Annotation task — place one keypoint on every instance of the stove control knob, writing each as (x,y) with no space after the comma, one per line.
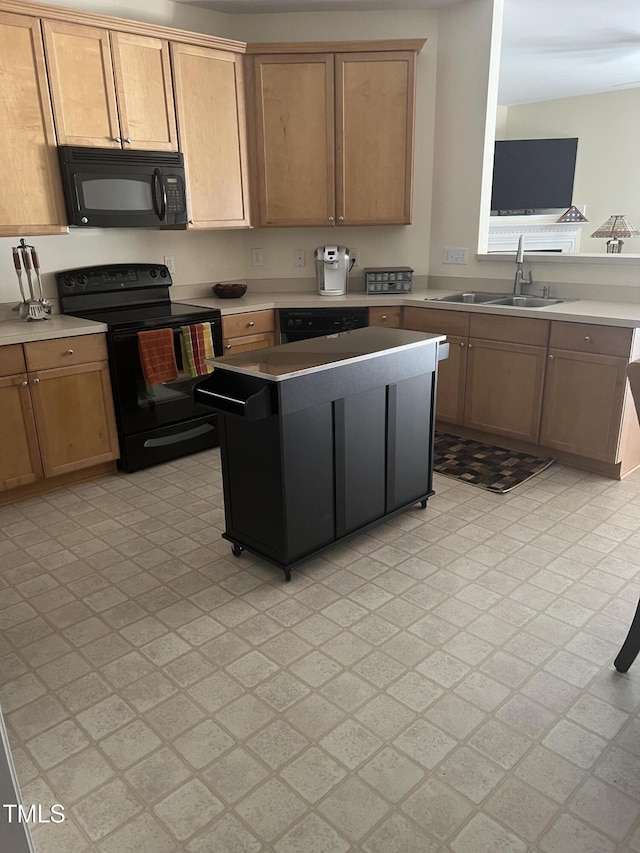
(68,281)
(153,272)
(82,280)
(164,272)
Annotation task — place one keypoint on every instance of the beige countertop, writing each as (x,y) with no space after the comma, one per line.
(626,314)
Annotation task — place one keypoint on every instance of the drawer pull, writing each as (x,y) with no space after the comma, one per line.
(69,352)
(36,381)
(587,338)
(251,323)
(384,317)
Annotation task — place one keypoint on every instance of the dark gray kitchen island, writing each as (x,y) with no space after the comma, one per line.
(323,438)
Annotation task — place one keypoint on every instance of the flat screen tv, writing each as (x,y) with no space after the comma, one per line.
(533,174)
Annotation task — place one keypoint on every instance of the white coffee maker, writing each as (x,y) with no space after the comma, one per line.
(332,270)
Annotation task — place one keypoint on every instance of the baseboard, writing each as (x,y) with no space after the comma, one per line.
(40,487)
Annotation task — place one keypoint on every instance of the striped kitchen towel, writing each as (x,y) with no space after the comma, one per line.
(157,356)
(196,344)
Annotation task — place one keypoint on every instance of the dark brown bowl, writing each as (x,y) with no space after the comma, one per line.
(229,291)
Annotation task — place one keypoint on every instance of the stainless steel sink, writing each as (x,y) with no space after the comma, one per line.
(527,301)
(470,297)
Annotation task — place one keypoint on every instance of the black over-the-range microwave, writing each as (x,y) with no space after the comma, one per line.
(109,188)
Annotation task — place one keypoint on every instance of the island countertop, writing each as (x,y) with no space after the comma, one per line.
(309,356)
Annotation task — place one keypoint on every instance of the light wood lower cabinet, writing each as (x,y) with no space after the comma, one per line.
(249,331)
(452,378)
(58,419)
(389,316)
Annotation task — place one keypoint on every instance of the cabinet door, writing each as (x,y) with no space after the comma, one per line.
(583,400)
(82,85)
(212,134)
(31,200)
(294,130)
(19,453)
(74,416)
(452,373)
(144,92)
(504,388)
(247,343)
(375,94)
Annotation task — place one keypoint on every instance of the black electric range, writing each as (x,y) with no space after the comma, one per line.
(156,423)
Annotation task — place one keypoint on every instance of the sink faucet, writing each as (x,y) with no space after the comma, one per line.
(520,280)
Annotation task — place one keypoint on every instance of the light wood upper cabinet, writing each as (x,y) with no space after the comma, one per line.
(31,200)
(110,90)
(209,91)
(333,137)
(374,137)
(294,127)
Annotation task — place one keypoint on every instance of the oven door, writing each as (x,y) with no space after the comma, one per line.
(141,407)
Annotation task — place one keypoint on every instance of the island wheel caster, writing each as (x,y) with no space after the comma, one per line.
(287,575)
(423,503)
(237,550)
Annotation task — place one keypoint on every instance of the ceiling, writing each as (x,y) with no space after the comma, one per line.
(550,48)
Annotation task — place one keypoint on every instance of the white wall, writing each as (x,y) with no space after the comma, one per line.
(607,174)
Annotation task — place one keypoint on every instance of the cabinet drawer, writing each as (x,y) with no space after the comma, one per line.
(246,343)
(436,320)
(250,323)
(385,317)
(583,337)
(514,330)
(64,352)
(11,360)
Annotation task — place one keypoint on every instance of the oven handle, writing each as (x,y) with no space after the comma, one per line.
(158,185)
(118,337)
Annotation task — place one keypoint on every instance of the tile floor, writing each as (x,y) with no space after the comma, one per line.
(443,683)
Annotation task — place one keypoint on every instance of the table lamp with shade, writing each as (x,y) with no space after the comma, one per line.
(614,229)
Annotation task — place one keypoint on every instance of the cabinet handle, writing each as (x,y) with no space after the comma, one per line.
(69,352)
(127,139)
(550,358)
(340,218)
(117,139)
(331,219)
(251,323)
(587,338)
(24,383)
(36,381)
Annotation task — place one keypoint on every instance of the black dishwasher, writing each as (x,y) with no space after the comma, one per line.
(298,324)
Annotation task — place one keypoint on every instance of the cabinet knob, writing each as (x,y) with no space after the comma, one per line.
(36,381)
(250,323)
(69,352)
(117,139)
(127,139)
(462,343)
(470,346)
(340,218)
(550,358)
(384,317)
(24,383)
(227,346)
(587,338)
(331,219)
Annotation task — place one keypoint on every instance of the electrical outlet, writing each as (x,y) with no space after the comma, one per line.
(455,255)
(354,254)
(299,258)
(170,263)
(257,258)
